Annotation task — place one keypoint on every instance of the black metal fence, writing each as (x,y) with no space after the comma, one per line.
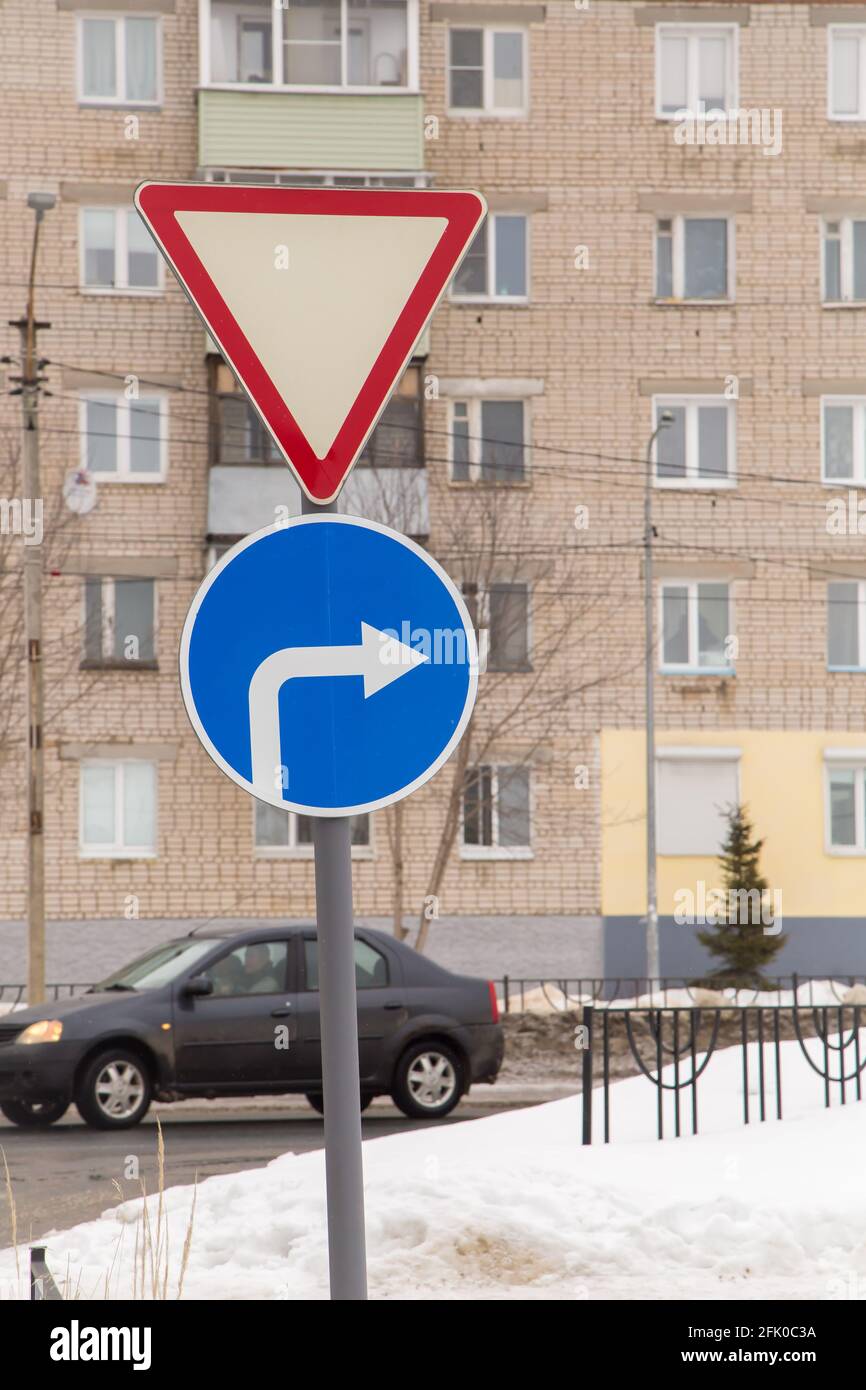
(673,1048)
(42,1285)
(574,991)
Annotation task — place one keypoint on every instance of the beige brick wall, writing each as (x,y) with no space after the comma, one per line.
(590,148)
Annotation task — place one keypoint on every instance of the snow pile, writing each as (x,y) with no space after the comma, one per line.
(513,1207)
(550,998)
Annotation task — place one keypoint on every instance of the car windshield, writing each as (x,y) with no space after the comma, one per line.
(159,966)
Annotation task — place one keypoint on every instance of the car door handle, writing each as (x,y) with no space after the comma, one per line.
(281,1013)
(394,1006)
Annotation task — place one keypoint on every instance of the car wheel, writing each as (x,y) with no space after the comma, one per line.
(428,1081)
(317,1100)
(115,1090)
(34,1114)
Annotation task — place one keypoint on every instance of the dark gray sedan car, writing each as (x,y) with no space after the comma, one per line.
(237,1014)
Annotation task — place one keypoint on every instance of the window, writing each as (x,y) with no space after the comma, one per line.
(313,43)
(846,625)
(118,59)
(496,812)
(487,71)
(696,69)
(845,800)
(495,266)
(696,626)
(843,440)
(844,261)
(846,75)
(124,440)
(488,441)
(397,441)
(692,258)
(371,965)
(117,252)
(242,436)
(118,809)
(257,968)
(119,622)
(503,610)
(285,833)
(694,789)
(698,448)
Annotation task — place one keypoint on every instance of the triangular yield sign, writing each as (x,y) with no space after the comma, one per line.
(315,297)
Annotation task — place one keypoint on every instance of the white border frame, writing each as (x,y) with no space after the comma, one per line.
(108,605)
(123,439)
(678,257)
(846,760)
(121,254)
(489,296)
(690,668)
(851,31)
(474,401)
(691,31)
(277,10)
(119,17)
(860,586)
(858,425)
(318,519)
(487,111)
(694,480)
(496,852)
(88,851)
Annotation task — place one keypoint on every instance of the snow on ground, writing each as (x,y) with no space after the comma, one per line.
(550,998)
(514,1207)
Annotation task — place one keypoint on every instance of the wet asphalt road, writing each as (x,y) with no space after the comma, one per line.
(68,1173)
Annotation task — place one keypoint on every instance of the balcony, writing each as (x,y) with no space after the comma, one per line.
(367,131)
(243,499)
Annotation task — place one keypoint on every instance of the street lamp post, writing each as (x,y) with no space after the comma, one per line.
(652,918)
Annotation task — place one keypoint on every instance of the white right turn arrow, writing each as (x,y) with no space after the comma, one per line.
(378,658)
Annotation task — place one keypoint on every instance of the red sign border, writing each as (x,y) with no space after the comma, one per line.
(320,478)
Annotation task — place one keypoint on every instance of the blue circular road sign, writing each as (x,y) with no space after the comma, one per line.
(328,665)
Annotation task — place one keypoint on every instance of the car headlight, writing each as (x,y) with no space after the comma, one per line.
(47,1030)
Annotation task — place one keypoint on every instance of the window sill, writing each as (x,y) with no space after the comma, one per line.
(671,303)
(479,113)
(476,483)
(843,304)
(120,292)
(849,484)
(481,853)
(138,478)
(110,104)
(694,485)
(508,670)
(305,852)
(845,852)
(118,665)
(489,301)
(847,670)
(118,856)
(714,671)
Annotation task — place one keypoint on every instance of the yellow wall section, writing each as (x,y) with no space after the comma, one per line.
(781,781)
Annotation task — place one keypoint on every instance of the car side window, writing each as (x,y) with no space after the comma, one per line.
(259,967)
(371,966)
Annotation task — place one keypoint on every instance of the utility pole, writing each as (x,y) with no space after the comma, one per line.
(32,572)
(652,916)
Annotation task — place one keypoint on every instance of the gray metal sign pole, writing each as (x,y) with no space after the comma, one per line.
(338,1008)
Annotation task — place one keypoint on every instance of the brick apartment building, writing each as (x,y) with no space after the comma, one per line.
(625,269)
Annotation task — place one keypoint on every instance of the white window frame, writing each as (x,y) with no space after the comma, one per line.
(482,625)
(294,850)
(850,31)
(497,851)
(119,18)
(678,257)
(846,760)
(691,754)
(861,624)
(858,432)
(474,403)
(691,667)
(846,263)
(489,296)
(692,33)
(124,442)
(118,850)
(487,110)
(108,606)
(121,257)
(277,10)
(692,478)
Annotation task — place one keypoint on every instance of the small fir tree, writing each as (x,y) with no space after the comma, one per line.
(738,940)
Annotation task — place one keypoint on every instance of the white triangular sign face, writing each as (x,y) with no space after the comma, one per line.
(316,297)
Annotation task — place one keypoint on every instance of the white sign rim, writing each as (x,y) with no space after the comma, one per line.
(314,519)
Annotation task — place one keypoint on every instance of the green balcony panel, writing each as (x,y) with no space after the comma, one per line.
(310,130)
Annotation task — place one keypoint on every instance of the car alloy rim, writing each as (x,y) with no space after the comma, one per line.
(119,1090)
(432,1079)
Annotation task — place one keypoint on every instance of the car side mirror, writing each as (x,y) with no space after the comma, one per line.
(198,987)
